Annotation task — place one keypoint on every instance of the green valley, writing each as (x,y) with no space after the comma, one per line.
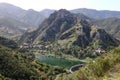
(79,44)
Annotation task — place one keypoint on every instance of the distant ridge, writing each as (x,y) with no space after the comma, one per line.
(14,21)
(97,14)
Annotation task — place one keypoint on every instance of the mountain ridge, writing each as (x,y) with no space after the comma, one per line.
(63,25)
(19,18)
(97,14)
(28,20)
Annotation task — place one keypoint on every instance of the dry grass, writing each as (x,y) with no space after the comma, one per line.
(113,73)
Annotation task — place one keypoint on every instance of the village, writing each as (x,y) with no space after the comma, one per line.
(45,49)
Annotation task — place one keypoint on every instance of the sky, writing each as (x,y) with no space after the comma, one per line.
(39,5)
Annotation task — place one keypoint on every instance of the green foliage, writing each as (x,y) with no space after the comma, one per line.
(4,78)
(15,65)
(101,65)
(79,52)
(96,69)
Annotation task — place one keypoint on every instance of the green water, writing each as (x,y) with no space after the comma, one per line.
(58,61)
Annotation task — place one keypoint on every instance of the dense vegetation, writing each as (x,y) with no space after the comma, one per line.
(15,65)
(97,69)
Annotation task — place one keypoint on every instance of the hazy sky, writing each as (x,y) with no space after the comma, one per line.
(66,4)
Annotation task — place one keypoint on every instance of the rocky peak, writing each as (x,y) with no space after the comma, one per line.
(61,14)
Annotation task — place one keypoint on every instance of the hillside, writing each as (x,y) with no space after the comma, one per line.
(63,25)
(8,43)
(43,27)
(11,28)
(24,67)
(105,67)
(111,25)
(70,31)
(14,20)
(9,10)
(31,17)
(18,66)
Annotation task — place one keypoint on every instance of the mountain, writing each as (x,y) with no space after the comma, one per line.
(9,10)
(97,14)
(8,43)
(59,21)
(22,19)
(12,28)
(47,12)
(111,25)
(30,17)
(108,20)
(14,20)
(69,29)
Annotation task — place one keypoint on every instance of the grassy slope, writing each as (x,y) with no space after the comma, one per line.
(104,67)
(113,73)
